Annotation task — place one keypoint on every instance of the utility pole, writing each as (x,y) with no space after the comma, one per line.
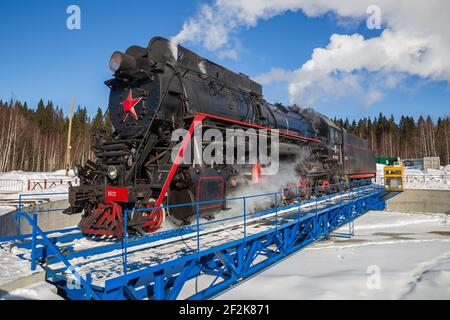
(69,134)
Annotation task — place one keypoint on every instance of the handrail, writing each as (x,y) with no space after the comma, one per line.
(45,184)
(55,250)
(356,187)
(11,185)
(231,199)
(420,176)
(359,187)
(20,206)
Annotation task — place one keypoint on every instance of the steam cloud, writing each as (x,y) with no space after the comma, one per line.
(287,176)
(415,42)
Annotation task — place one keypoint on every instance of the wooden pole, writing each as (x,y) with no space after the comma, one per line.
(69,134)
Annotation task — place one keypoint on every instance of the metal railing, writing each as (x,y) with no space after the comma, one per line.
(443,178)
(11,186)
(275,216)
(45,184)
(16,186)
(247,216)
(33,208)
(53,248)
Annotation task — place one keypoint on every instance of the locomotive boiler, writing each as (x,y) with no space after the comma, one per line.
(164,88)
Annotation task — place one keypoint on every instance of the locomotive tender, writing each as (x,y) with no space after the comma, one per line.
(162,88)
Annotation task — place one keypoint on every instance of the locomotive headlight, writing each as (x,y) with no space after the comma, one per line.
(112,172)
(122,62)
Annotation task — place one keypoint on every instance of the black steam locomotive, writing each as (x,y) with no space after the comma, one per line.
(162,88)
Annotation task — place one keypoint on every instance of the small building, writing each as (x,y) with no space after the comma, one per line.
(431,163)
(387,160)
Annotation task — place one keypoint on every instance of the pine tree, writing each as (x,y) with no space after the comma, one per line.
(98,122)
(108,124)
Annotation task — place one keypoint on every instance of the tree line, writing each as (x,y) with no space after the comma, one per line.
(35,139)
(407,138)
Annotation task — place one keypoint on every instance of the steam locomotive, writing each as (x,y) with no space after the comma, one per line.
(164,87)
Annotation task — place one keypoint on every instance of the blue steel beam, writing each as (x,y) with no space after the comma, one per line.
(233,262)
(229,263)
(87,292)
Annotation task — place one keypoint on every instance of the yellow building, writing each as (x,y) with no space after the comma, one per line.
(394,178)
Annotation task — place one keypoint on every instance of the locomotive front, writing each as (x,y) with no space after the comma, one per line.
(153,94)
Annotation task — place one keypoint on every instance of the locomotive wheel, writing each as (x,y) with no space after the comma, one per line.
(154,218)
(106,219)
(303,186)
(306,187)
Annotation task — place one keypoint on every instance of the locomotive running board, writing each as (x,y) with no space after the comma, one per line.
(198,120)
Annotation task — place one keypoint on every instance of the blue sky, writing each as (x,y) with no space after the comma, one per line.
(41,58)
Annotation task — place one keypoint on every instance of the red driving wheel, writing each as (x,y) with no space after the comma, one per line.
(106,219)
(303,186)
(155,218)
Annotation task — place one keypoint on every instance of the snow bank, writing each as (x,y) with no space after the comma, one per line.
(444,185)
(12,267)
(417,178)
(380,170)
(392,256)
(39,176)
(430,179)
(25,176)
(411,171)
(38,291)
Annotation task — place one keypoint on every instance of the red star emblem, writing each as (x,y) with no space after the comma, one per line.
(129,104)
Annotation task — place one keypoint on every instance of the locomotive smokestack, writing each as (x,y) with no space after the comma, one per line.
(122,62)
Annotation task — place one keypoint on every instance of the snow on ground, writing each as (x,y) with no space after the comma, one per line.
(12,267)
(35,176)
(25,176)
(37,291)
(6,209)
(429,185)
(392,256)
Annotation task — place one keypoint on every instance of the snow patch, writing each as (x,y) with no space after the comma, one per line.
(9,206)
(37,291)
(430,179)
(12,267)
(410,251)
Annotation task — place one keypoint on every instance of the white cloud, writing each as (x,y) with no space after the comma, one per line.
(213,24)
(383,59)
(416,42)
(274,75)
